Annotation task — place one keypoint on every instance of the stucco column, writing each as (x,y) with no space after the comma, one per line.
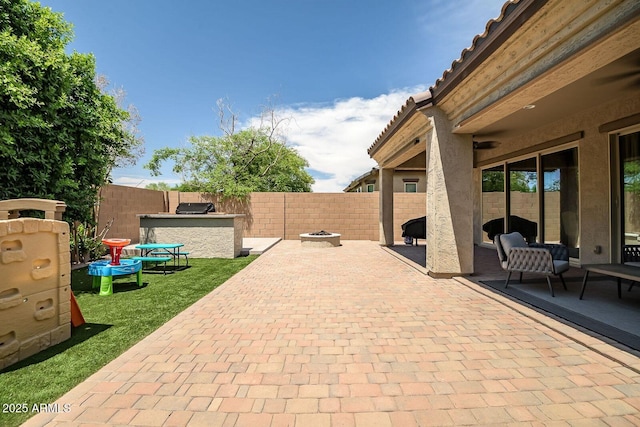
(450,199)
(386,206)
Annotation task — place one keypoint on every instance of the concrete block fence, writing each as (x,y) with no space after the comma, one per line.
(123,204)
(284,215)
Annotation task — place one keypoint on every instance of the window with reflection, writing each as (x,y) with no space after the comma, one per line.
(523,199)
(493,203)
(545,208)
(630,182)
(560,200)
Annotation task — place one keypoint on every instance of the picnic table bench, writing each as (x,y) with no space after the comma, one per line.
(162,252)
(619,271)
(178,255)
(156,259)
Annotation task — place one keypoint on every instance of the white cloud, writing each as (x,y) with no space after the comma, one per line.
(334,138)
(142,182)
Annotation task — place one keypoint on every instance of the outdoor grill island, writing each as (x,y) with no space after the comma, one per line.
(204,232)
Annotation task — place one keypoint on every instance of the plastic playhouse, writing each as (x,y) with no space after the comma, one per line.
(35,290)
(103,271)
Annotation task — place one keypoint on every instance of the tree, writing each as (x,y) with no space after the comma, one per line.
(492,181)
(520,181)
(523,182)
(237,163)
(158,186)
(131,147)
(60,135)
(632,176)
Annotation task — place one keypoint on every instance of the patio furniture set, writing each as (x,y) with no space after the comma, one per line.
(516,255)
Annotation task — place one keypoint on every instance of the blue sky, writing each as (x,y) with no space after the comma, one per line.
(339,69)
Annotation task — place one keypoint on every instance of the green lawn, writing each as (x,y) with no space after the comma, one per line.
(114,323)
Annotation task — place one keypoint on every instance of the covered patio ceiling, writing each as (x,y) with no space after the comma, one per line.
(530,69)
(615,80)
(565,58)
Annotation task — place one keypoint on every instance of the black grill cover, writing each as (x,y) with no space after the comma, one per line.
(195,208)
(528,229)
(416,228)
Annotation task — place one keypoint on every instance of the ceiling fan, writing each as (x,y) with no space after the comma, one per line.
(631,72)
(485,145)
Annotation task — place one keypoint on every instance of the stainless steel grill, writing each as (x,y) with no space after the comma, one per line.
(194,208)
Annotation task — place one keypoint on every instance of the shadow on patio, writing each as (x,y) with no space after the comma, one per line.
(600,313)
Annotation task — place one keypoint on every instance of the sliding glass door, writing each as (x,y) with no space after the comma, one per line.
(540,199)
(493,207)
(560,199)
(630,186)
(523,204)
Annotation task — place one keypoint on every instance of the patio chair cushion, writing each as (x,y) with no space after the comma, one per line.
(512,240)
(504,243)
(558,251)
(560,266)
(501,255)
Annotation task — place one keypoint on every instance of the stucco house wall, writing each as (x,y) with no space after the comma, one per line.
(545,76)
(399,179)
(595,179)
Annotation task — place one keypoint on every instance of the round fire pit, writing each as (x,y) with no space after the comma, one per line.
(320,239)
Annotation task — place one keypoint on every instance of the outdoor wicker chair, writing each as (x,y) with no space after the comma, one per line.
(516,255)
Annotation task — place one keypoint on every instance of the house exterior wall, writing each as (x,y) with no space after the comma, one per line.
(545,76)
(284,215)
(450,195)
(399,177)
(594,176)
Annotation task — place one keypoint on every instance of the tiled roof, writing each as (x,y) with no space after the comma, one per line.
(414,102)
(450,76)
(478,40)
(360,178)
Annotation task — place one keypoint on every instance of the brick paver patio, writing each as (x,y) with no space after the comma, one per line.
(352,336)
